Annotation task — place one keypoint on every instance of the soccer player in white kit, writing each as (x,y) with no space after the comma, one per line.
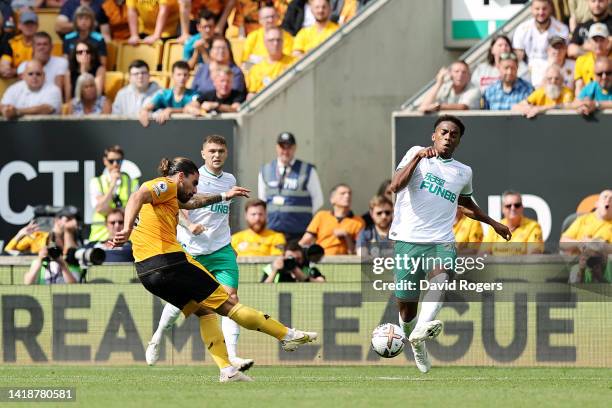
(205,235)
(429,185)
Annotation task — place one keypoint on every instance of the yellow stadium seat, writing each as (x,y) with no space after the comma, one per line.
(5,83)
(161,78)
(237,48)
(57,49)
(151,54)
(111,55)
(46,22)
(113,82)
(173,51)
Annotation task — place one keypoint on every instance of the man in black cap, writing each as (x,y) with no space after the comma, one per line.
(290,188)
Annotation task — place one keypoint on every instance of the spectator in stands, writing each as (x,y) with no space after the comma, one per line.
(585,64)
(551,95)
(510,89)
(220,54)
(487,72)
(110,190)
(31,96)
(383,190)
(116,13)
(590,236)
(600,14)
(526,233)
(452,90)
(5,49)
(557,54)
(20,45)
(381,211)
(177,99)
(55,67)
(154,19)
(86,99)
(579,13)
(310,37)
(468,233)
(530,39)
(291,267)
(597,94)
(275,63)
(65,20)
(223,98)
(190,10)
(84,24)
(131,98)
(290,188)
(298,15)
(197,47)
(114,224)
(336,230)
(257,240)
(83,58)
(255,47)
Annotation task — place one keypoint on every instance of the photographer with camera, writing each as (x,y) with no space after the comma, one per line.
(49,226)
(49,268)
(109,190)
(114,224)
(295,265)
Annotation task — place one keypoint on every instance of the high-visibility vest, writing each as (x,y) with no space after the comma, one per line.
(98,221)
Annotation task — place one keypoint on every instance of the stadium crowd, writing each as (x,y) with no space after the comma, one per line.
(543,66)
(188,44)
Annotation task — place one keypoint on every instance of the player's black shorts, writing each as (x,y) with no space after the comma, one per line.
(180,280)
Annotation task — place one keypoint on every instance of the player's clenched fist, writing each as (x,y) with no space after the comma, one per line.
(427,153)
(237,191)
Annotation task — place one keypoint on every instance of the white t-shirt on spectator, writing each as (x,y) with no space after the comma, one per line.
(538,69)
(469,97)
(54,67)
(20,96)
(528,38)
(309,18)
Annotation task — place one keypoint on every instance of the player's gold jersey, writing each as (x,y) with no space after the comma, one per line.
(155,232)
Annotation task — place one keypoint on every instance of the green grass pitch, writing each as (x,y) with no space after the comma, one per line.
(310,386)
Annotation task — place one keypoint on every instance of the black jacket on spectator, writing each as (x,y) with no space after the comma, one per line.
(211,96)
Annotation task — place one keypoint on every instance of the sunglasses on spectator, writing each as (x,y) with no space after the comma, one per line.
(378,213)
(113,161)
(508,56)
(35,73)
(515,205)
(81,52)
(602,73)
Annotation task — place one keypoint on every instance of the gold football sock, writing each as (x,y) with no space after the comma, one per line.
(255,320)
(212,336)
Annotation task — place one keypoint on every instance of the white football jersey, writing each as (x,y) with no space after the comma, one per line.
(215,218)
(425,209)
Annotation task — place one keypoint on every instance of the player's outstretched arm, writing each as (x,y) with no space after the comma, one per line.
(472,210)
(202,200)
(134,204)
(402,176)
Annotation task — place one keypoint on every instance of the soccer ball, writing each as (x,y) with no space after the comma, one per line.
(388,340)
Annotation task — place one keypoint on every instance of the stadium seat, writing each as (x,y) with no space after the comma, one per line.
(237,48)
(111,55)
(587,204)
(57,49)
(5,83)
(151,54)
(568,221)
(161,78)
(173,51)
(46,22)
(113,82)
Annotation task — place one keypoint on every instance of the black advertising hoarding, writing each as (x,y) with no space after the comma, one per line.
(555,160)
(52,161)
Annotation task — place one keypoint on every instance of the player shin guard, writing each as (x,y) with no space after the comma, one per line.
(169,316)
(255,320)
(231,331)
(213,340)
(407,326)
(432,301)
